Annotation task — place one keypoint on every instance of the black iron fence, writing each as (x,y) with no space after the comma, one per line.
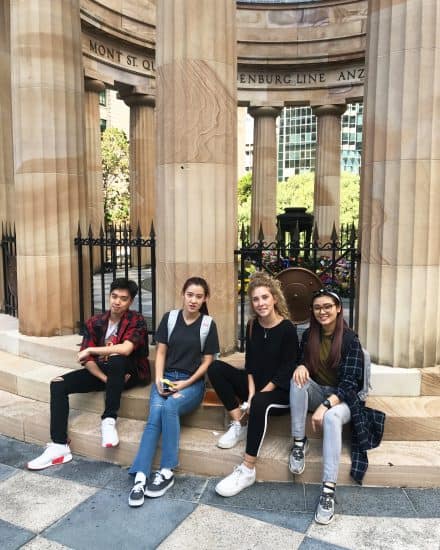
(9,261)
(116,252)
(335,263)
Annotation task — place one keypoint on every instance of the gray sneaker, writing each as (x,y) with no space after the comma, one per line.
(297,461)
(325,511)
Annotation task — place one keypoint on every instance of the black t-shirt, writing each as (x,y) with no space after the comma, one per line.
(184,351)
(271,354)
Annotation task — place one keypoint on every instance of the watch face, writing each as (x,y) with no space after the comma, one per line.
(327,403)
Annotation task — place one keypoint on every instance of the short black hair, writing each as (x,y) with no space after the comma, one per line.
(125,284)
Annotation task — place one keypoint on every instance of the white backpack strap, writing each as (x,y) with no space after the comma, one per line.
(204,330)
(172,318)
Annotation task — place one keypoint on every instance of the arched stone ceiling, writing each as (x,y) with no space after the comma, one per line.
(288,53)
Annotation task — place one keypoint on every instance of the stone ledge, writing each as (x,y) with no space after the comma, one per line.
(415,418)
(394,463)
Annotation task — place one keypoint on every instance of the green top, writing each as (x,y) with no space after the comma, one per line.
(325,376)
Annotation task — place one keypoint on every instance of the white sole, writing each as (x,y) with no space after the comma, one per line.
(324,522)
(55,462)
(156,494)
(232,494)
(135,503)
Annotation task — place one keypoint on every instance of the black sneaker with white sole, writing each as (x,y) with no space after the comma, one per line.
(158,485)
(136,496)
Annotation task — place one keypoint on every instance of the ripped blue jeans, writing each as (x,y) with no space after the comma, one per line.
(164,419)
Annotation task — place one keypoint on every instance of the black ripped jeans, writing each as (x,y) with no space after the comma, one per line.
(82,381)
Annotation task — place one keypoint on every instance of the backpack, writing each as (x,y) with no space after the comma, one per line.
(366,363)
(204,326)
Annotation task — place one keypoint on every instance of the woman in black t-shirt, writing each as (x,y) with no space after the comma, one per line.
(271,350)
(186,344)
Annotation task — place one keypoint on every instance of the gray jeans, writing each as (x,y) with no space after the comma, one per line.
(308,398)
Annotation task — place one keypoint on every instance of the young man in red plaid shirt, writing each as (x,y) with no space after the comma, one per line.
(114,356)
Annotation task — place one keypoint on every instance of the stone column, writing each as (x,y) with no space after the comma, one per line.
(95,196)
(197,174)
(399,305)
(7,202)
(142,165)
(264,173)
(48,126)
(328,169)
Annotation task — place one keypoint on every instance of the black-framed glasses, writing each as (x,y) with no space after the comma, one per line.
(325,307)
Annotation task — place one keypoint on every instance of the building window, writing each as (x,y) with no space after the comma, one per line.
(103,98)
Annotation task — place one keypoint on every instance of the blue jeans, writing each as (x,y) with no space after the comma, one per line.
(164,419)
(308,398)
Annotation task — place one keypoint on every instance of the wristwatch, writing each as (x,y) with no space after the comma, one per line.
(327,404)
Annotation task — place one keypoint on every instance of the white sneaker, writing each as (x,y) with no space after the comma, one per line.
(235,483)
(54,454)
(235,433)
(109,434)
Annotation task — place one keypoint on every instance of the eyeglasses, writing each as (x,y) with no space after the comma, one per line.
(324,307)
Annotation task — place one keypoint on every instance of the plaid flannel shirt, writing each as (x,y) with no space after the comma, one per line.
(367,424)
(132,327)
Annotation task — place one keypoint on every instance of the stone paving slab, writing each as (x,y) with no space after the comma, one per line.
(107,520)
(13,537)
(209,528)
(380,533)
(34,502)
(83,504)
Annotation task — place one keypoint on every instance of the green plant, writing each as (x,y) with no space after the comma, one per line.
(115,176)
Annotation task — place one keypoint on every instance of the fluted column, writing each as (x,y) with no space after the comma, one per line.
(142,164)
(264,172)
(48,126)
(95,196)
(328,169)
(399,320)
(196,120)
(7,202)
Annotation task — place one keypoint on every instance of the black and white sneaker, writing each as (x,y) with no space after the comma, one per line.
(136,496)
(158,485)
(325,510)
(297,461)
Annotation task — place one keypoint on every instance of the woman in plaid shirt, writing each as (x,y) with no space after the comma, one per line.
(326,382)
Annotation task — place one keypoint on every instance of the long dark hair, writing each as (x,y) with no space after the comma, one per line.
(311,353)
(199,282)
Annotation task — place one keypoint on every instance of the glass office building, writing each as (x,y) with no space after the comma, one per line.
(297,140)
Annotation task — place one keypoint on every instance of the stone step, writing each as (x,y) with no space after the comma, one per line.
(31,379)
(430,381)
(61,351)
(408,418)
(394,463)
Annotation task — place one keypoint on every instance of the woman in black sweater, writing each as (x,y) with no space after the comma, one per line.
(263,386)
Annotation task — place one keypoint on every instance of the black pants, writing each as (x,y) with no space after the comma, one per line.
(231,386)
(82,381)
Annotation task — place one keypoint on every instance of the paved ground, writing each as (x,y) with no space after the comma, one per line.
(83,505)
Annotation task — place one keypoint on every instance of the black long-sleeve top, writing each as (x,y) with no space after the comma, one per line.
(271,354)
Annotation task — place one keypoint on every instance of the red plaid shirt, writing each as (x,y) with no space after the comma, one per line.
(132,327)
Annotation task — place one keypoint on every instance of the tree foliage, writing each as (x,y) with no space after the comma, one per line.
(298,191)
(115,175)
(244,200)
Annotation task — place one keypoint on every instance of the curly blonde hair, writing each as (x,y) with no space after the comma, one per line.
(262,279)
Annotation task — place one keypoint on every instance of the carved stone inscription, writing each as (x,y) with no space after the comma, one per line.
(113,54)
(324,78)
